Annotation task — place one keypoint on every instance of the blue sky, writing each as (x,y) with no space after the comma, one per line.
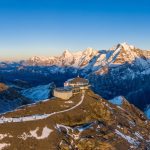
(47,27)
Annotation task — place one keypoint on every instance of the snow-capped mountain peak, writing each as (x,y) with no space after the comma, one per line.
(123,53)
(123,45)
(67,53)
(126,46)
(92,59)
(89,52)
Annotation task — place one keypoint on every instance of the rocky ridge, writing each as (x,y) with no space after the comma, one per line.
(102,125)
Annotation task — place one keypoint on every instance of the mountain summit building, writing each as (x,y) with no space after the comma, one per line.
(71,87)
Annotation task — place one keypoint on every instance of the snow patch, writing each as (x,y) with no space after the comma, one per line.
(84,127)
(127,138)
(127,46)
(117,100)
(69,131)
(33,133)
(69,102)
(37,93)
(2,136)
(3,145)
(139,135)
(147,112)
(45,133)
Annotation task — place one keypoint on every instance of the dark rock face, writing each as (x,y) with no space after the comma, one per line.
(127,80)
(10,99)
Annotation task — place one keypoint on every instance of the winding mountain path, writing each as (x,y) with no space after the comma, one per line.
(38,117)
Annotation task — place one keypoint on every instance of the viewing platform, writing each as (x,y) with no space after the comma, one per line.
(71,87)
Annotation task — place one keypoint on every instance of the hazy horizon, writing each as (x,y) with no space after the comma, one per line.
(19,57)
(47,28)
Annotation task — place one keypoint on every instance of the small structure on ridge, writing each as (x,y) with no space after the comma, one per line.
(71,87)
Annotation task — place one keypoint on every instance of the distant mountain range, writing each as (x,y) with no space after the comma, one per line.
(95,59)
(89,59)
(122,70)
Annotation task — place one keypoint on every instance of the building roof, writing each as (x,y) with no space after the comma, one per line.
(63,89)
(78,80)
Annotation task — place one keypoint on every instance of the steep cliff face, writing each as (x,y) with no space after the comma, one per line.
(130,79)
(84,122)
